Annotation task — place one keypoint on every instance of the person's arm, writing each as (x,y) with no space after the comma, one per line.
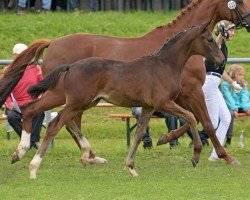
(218,40)
(9,103)
(245,100)
(233,83)
(39,73)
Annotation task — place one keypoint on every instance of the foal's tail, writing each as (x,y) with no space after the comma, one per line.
(16,70)
(49,82)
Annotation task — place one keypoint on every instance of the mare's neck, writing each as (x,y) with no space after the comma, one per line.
(194,15)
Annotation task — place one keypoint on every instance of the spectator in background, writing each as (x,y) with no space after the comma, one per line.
(46,5)
(216,105)
(19,97)
(237,100)
(93,5)
(73,5)
(147,141)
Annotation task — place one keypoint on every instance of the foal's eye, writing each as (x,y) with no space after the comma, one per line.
(210,40)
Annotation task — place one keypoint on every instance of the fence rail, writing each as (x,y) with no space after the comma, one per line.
(230,60)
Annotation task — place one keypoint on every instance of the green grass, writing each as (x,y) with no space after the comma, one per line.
(163,174)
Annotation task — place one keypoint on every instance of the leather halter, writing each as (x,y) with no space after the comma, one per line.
(241,23)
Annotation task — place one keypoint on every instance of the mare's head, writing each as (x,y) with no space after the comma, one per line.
(236,11)
(205,45)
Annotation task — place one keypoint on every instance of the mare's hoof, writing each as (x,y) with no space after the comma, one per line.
(235,162)
(162,140)
(194,162)
(15,158)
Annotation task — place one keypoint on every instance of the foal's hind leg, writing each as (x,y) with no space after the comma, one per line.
(172,108)
(29,111)
(53,128)
(74,127)
(141,128)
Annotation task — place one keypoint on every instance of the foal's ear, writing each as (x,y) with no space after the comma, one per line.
(206,25)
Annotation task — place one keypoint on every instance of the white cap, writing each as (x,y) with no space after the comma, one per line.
(19,48)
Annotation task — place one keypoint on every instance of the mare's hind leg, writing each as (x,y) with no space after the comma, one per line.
(66,114)
(141,128)
(74,127)
(48,101)
(174,134)
(196,101)
(172,108)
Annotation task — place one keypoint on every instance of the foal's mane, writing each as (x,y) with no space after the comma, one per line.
(188,8)
(172,41)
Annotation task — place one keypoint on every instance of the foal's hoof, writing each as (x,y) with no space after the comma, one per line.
(15,158)
(162,140)
(133,172)
(97,160)
(194,162)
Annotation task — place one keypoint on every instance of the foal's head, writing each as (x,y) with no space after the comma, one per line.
(205,45)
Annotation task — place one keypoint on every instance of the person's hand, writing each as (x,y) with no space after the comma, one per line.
(222,30)
(236,86)
(236,114)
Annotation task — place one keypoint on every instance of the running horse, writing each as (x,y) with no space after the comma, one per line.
(141,82)
(71,48)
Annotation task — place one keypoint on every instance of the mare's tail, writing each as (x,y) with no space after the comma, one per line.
(49,82)
(15,71)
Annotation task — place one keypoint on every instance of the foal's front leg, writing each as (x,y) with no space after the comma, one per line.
(171,107)
(141,128)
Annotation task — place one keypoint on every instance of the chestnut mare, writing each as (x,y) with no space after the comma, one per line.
(79,46)
(151,82)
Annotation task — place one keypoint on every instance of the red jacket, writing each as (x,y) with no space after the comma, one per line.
(31,76)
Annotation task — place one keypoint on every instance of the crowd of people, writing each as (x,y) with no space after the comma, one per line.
(92,5)
(226,95)
(47,5)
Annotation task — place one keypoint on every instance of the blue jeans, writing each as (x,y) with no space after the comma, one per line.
(15,121)
(93,5)
(46,4)
(230,129)
(74,4)
(136,111)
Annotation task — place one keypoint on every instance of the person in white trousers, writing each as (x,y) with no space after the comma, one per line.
(216,106)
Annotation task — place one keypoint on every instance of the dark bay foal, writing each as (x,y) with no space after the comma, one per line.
(152,82)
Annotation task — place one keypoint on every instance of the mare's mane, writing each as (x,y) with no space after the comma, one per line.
(188,8)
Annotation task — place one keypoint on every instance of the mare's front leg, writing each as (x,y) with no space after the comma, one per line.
(196,101)
(141,128)
(172,108)
(66,114)
(74,128)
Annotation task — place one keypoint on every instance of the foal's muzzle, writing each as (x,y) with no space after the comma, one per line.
(218,65)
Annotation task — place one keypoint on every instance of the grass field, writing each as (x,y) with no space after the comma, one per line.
(164,174)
